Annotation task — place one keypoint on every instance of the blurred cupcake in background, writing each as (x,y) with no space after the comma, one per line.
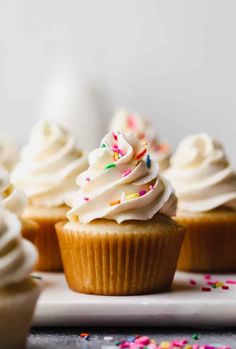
(205,184)
(15,200)
(120,239)
(47,171)
(9,154)
(18,291)
(133,123)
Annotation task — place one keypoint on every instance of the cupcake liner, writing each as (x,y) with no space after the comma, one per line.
(209,244)
(16,313)
(46,242)
(119,263)
(29,229)
(45,239)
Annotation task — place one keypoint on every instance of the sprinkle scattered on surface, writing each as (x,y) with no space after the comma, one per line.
(145,342)
(86,198)
(103,145)
(142,192)
(206,289)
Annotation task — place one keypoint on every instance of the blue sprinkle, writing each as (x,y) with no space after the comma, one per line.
(148,161)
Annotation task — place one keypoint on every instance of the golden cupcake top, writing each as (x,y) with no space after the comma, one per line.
(17,256)
(12,198)
(122,183)
(202,175)
(142,128)
(49,164)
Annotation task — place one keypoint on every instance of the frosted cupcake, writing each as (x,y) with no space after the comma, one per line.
(18,291)
(120,239)
(130,122)
(9,154)
(47,171)
(14,199)
(205,184)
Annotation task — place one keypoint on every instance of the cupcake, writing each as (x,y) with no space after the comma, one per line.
(18,291)
(46,172)
(120,239)
(131,122)
(205,185)
(14,199)
(8,153)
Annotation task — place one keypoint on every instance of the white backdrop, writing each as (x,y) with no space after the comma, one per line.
(175,61)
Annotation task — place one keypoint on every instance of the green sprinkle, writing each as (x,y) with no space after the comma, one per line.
(36,277)
(195,336)
(109,166)
(213,286)
(103,145)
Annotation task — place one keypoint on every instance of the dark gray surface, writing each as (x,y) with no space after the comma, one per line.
(65,338)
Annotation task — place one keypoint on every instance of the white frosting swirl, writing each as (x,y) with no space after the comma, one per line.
(8,153)
(121,183)
(12,198)
(131,122)
(17,256)
(202,175)
(49,165)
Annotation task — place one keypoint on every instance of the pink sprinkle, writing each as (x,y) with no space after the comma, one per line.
(88,179)
(180,343)
(114,147)
(207,277)
(136,346)
(143,340)
(210,283)
(206,289)
(193,282)
(151,187)
(115,136)
(121,152)
(231,281)
(86,198)
(126,172)
(124,345)
(142,192)
(195,346)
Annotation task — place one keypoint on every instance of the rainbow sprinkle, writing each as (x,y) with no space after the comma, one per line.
(126,172)
(86,198)
(148,161)
(113,203)
(132,196)
(112,165)
(115,136)
(142,192)
(103,145)
(140,154)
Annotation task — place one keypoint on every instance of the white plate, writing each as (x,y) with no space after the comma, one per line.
(185,305)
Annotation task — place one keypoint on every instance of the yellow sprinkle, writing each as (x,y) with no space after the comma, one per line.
(116,156)
(75,218)
(219,284)
(165,345)
(188,346)
(132,196)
